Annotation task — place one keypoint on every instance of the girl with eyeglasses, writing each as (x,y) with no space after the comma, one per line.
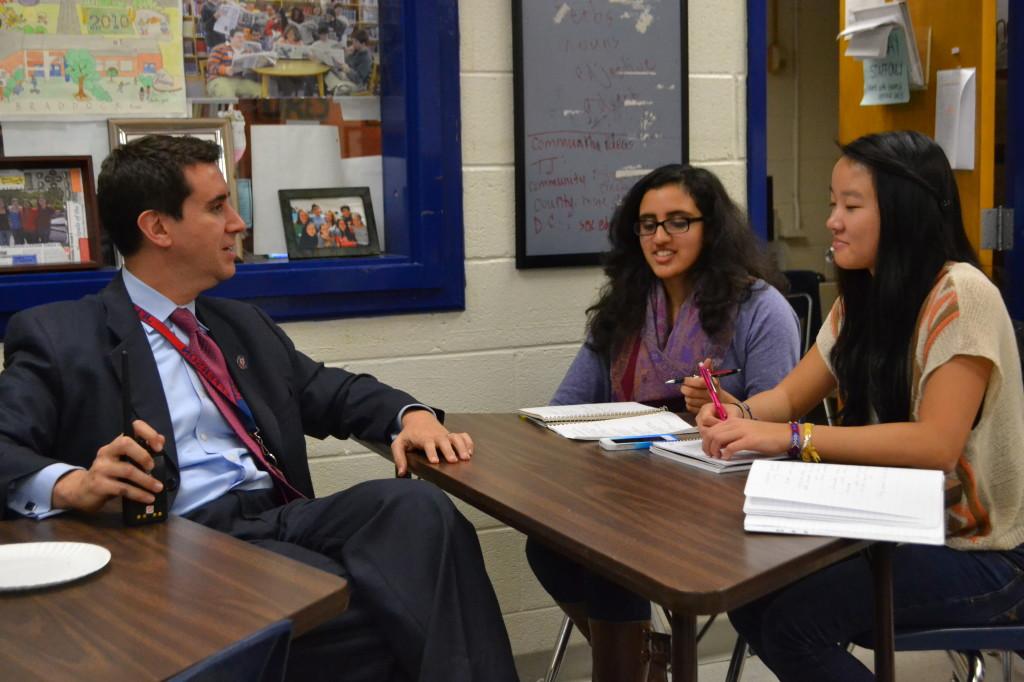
(687,282)
(922,352)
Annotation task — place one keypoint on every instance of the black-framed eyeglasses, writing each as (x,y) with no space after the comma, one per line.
(673,225)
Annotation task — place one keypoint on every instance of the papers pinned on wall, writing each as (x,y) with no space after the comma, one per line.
(886,80)
(869,37)
(955,91)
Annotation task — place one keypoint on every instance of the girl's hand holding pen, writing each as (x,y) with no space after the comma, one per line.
(723,439)
(695,392)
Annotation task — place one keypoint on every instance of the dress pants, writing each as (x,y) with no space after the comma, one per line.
(570,583)
(422,608)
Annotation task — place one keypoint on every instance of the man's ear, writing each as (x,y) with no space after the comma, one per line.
(153,226)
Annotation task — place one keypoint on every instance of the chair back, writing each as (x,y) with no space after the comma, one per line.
(260,657)
(805,298)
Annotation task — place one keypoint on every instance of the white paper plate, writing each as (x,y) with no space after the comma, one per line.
(40,564)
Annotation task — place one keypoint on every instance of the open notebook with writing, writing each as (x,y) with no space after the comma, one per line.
(847,501)
(606,420)
(691,453)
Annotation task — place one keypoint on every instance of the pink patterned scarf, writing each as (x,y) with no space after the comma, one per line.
(658,353)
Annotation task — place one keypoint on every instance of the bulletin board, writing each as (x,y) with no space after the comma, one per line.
(600,99)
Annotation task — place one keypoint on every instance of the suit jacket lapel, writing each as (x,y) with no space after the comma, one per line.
(131,347)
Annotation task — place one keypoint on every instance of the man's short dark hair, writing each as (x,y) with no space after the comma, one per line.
(147,174)
(361,35)
(345,208)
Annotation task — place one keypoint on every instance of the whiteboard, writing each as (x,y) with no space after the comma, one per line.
(600,99)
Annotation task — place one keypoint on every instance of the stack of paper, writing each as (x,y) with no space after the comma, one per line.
(691,453)
(841,500)
(606,420)
(868,36)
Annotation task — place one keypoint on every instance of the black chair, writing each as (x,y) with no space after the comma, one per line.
(805,297)
(260,657)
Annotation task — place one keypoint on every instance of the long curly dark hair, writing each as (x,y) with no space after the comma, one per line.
(921,228)
(730,259)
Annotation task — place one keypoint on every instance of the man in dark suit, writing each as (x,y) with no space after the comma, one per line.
(422,607)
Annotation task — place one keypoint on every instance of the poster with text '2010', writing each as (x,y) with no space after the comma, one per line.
(601,99)
(91,59)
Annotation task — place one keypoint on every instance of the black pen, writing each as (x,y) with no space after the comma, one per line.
(717,373)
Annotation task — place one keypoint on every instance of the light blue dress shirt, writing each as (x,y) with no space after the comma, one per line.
(211,459)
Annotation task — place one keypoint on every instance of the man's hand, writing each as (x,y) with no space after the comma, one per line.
(110,476)
(422,431)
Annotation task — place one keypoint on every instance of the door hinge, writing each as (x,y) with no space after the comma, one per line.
(997,228)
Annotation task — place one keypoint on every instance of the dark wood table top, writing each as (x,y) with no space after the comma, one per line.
(172,595)
(664,530)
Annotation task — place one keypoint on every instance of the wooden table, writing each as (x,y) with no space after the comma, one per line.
(671,533)
(172,595)
(292,68)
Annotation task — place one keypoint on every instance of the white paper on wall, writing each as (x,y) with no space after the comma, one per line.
(53,138)
(955,114)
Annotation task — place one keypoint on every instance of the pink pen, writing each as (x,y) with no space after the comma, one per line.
(709,382)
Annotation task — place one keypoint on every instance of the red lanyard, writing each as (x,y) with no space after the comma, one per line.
(200,365)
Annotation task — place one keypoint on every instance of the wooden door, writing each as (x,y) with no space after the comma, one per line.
(963,35)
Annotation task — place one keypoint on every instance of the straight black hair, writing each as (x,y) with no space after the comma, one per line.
(921,228)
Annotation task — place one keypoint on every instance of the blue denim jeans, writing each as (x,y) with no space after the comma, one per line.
(801,631)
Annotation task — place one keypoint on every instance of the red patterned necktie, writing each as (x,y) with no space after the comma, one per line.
(208,352)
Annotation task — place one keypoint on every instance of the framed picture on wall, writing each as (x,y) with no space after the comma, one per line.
(216,130)
(328,223)
(48,217)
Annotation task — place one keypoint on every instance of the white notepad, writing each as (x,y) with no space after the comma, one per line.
(842,500)
(606,420)
(691,453)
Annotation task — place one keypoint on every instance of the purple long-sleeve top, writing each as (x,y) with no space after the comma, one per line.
(765,345)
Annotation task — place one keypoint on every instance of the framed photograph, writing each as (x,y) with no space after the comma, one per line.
(48,216)
(328,223)
(217,130)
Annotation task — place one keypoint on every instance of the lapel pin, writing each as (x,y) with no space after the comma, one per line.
(242,362)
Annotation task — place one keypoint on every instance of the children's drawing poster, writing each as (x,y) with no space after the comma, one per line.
(90,59)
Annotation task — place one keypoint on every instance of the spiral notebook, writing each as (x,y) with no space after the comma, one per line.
(594,421)
(691,453)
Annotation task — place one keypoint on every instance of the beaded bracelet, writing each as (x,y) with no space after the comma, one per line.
(808,453)
(794,441)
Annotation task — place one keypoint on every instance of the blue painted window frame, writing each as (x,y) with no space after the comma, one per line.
(424,267)
(757,117)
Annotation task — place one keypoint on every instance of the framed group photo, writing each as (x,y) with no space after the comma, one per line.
(328,223)
(48,214)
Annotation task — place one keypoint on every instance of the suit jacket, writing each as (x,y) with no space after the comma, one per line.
(60,391)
